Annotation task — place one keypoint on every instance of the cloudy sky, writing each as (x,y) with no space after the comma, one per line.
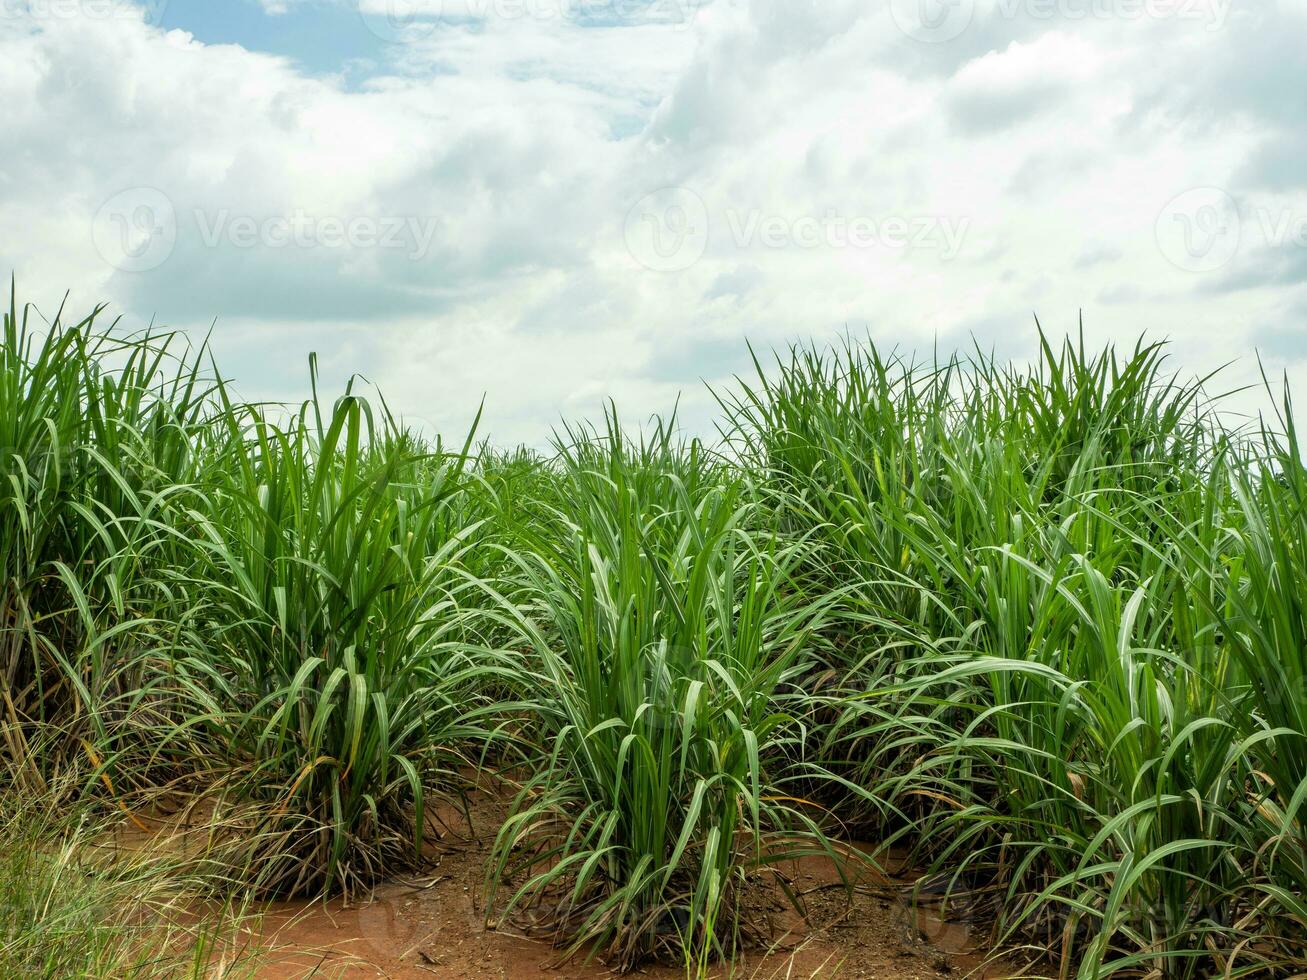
(550,202)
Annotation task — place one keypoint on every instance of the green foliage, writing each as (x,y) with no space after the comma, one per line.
(664,622)
(85,449)
(66,910)
(316,638)
(1067,689)
(1044,626)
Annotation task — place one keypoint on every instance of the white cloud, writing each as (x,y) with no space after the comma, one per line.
(831,165)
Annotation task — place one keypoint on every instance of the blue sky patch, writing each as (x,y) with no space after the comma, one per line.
(322,38)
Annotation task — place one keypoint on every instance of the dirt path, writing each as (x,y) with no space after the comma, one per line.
(435,927)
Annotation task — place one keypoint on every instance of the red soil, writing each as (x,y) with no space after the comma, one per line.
(435,927)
